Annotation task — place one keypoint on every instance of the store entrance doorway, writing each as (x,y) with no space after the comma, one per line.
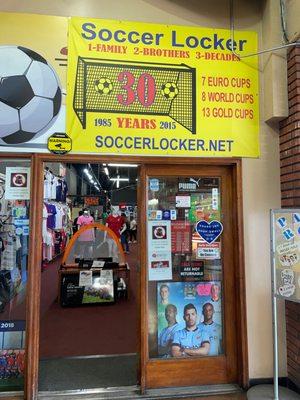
(89,280)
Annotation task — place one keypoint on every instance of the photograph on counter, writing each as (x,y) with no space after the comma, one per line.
(189,319)
(101,290)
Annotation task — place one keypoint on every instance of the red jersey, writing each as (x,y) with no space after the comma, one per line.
(115,223)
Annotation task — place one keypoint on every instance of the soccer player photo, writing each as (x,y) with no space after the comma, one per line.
(189,320)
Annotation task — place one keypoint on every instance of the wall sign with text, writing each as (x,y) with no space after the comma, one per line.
(149,89)
(286,239)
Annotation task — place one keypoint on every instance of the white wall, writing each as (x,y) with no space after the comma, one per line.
(261,190)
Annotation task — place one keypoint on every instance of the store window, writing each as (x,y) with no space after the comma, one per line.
(14,243)
(184,230)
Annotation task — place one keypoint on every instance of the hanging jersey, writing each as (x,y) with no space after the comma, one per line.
(59,217)
(47,185)
(51,209)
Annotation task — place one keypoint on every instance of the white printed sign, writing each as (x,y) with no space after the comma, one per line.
(85,278)
(215,199)
(17,183)
(206,251)
(183,201)
(98,264)
(159,250)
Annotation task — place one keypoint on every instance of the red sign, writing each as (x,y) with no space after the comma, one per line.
(91,201)
(181,237)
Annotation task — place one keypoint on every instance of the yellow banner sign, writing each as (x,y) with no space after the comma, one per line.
(148,89)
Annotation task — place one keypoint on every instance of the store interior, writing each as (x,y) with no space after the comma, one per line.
(88,311)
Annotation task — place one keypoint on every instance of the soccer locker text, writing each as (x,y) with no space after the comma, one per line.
(90,32)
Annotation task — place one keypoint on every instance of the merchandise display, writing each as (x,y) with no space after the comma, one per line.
(14,234)
(56,216)
(14,249)
(55,187)
(85,286)
(88,275)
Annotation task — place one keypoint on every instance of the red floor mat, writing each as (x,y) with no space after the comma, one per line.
(92,330)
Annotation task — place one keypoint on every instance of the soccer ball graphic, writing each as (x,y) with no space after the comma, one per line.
(169,90)
(30,95)
(103,86)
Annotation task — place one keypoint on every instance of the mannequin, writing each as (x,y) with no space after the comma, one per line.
(116,223)
(87,238)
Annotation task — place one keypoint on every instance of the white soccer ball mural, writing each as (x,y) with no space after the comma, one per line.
(30,95)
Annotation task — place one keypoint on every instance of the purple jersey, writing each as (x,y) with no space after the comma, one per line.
(51,209)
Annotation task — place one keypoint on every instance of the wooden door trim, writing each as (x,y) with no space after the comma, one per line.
(34,282)
(143,278)
(243,365)
(142,160)
(239,274)
(34,273)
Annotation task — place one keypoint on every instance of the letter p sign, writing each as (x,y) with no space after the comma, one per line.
(281,222)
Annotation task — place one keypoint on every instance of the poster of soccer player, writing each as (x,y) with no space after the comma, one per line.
(189,319)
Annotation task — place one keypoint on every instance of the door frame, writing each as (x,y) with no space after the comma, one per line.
(35,255)
(224,368)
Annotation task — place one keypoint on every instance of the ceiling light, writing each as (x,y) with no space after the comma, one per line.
(123,165)
(119,179)
(106,171)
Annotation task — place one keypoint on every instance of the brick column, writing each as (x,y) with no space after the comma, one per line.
(290,197)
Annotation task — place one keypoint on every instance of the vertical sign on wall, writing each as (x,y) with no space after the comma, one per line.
(286,257)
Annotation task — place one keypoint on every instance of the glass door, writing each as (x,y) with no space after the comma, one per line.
(190,307)
(14,252)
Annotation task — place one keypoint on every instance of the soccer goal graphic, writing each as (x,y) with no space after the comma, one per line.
(156,89)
